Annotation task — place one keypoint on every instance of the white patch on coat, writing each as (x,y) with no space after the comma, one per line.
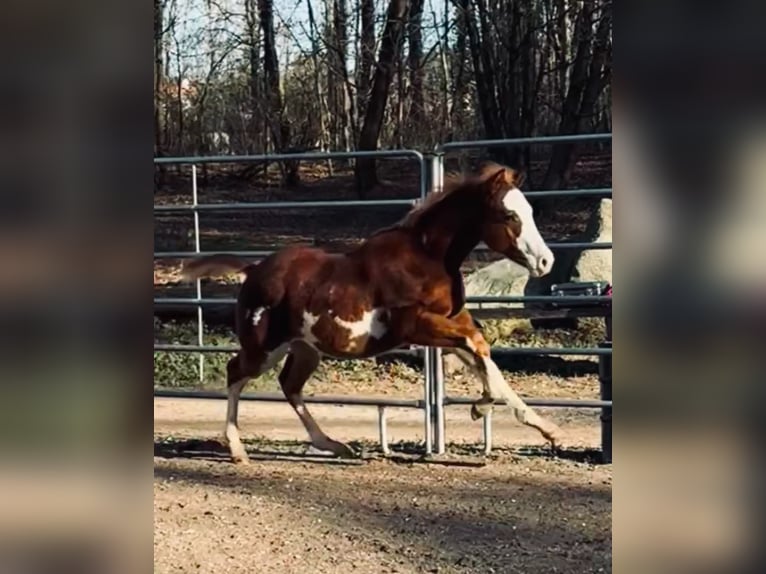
(371,324)
(530,242)
(309,320)
(257,314)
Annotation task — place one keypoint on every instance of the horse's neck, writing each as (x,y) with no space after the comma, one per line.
(450,236)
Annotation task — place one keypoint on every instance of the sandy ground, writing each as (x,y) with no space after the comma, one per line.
(289,511)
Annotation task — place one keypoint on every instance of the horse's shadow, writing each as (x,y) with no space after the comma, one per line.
(406,452)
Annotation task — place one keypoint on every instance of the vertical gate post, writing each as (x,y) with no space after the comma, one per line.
(605,384)
(200,323)
(436,182)
(426,175)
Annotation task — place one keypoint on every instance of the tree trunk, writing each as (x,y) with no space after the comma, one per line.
(324,140)
(599,73)
(367,55)
(366,177)
(446,117)
(278,122)
(158,83)
(253,50)
(458,67)
(482,67)
(562,155)
(414,62)
(589,75)
(346,91)
(401,97)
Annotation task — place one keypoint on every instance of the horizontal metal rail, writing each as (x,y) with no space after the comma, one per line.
(494,313)
(345,203)
(483,299)
(212,207)
(594,192)
(189,254)
(265,253)
(585,351)
(194,302)
(544,140)
(170,348)
(255,205)
(538,402)
(318,156)
(496,351)
(564,245)
(374,401)
(280,398)
(563,300)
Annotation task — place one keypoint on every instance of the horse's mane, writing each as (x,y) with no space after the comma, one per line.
(455,182)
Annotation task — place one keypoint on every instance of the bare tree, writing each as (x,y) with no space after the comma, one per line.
(476,69)
(367,53)
(366,176)
(589,75)
(415,61)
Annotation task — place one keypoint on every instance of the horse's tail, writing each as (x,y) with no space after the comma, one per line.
(219,265)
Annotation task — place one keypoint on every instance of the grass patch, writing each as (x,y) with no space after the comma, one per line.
(181,370)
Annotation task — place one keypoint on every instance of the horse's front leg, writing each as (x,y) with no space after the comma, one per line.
(461,334)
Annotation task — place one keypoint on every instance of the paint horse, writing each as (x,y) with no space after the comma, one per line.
(401,287)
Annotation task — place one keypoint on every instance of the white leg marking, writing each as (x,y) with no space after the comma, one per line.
(257,314)
(500,389)
(231,432)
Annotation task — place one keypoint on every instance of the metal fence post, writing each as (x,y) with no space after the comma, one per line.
(435,184)
(605,385)
(438,365)
(383,430)
(200,323)
(487,432)
(427,399)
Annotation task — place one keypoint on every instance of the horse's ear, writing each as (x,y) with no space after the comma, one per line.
(519,178)
(502,180)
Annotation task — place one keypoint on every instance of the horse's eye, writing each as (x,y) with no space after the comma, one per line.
(512,216)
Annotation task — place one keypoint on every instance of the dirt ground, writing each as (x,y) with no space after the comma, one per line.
(522,510)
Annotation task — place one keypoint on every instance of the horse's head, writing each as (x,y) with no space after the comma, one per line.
(509,225)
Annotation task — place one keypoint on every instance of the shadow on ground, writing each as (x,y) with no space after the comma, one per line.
(444,520)
(405,452)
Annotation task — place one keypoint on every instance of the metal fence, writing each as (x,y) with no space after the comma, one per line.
(431,178)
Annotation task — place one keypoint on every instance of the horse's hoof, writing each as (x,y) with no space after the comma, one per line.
(335,447)
(240,459)
(343,451)
(555,437)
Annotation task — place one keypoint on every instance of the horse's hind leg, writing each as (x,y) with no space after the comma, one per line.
(301,363)
(237,377)
(239,371)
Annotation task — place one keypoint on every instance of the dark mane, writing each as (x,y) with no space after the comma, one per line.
(454,183)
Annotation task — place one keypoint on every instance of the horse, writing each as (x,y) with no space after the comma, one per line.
(401,287)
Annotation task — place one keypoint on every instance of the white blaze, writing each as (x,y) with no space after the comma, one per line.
(530,242)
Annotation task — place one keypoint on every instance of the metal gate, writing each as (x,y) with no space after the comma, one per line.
(434,399)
